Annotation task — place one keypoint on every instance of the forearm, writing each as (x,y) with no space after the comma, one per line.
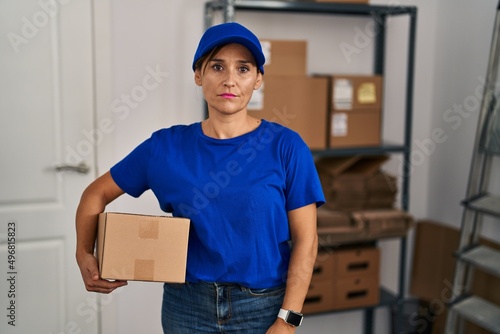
(86,222)
(300,270)
(93,201)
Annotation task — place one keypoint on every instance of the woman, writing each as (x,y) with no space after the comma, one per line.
(249,187)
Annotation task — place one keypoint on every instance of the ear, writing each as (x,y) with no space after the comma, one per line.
(258,83)
(197,77)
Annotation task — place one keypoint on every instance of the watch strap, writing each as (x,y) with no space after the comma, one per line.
(282,314)
(291,317)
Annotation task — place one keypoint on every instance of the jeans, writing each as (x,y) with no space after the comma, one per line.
(193,308)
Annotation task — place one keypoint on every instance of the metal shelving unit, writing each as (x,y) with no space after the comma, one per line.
(379,15)
(471,254)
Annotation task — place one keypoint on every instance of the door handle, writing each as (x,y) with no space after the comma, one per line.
(81,168)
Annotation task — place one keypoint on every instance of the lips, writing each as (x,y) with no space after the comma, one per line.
(227,95)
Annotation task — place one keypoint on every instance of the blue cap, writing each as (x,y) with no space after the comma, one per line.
(227,33)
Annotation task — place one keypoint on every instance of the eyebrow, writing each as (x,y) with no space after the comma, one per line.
(243,61)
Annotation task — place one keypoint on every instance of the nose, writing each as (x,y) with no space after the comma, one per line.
(229,80)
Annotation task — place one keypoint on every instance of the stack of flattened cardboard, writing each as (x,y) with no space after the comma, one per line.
(356,183)
(359,201)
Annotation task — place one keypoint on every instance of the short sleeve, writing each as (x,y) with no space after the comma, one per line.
(303,186)
(131,173)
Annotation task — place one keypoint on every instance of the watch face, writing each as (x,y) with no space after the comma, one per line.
(294,319)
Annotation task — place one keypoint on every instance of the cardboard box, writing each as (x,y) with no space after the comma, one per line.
(359,262)
(353,292)
(344,279)
(297,102)
(356,92)
(324,267)
(355,118)
(142,247)
(284,57)
(319,298)
(355,128)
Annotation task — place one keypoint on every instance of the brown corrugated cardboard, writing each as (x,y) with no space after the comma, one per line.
(319,298)
(356,92)
(383,223)
(433,261)
(335,227)
(356,292)
(359,262)
(344,279)
(335,166)
(297,102)
(356,281)
(355,128)
(355,116)
(142,247)
(356,183)
(358,165)
(285,57)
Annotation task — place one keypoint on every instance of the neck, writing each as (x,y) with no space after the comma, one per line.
(231,127)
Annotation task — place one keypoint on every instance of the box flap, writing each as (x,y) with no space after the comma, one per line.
(335,165)
(367,165)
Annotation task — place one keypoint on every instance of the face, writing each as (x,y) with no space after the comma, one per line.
(229,79)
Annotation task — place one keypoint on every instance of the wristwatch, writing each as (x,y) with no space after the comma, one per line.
(291,317)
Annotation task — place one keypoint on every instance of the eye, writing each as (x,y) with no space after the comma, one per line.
(244,69)
(217,67)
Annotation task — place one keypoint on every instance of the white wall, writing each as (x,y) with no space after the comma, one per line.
(452,46)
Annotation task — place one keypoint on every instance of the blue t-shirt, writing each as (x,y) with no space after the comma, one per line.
(236,192)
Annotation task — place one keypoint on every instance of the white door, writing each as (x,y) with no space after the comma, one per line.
(46,110)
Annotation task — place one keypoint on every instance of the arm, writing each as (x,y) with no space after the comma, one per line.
(93,201)
(305,248)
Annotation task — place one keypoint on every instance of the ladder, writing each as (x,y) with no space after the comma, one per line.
(478,204)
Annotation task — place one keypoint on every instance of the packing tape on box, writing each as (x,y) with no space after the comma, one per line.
(144,269)
(149,229)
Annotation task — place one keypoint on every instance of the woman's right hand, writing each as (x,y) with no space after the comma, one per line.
(90,274)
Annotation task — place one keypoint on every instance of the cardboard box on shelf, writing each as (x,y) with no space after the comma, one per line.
(297,102)
(356,281)
(358,262)
(142,247)
(355,128)
(319,298)
(285,57)
(353,292)
(344,279)
(356,92)
(355,118)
